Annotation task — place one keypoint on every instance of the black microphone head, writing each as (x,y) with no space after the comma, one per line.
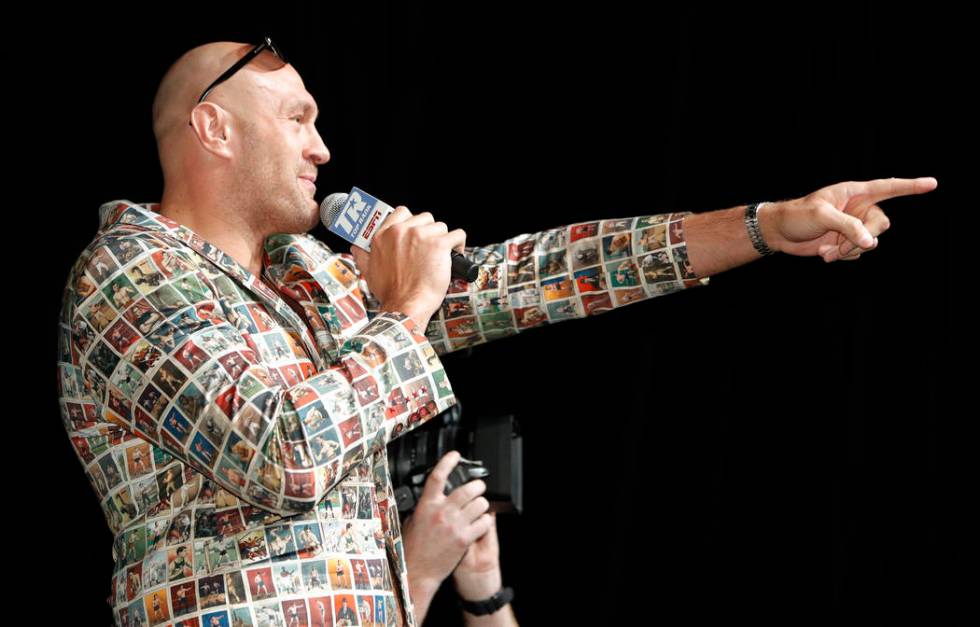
(331,206)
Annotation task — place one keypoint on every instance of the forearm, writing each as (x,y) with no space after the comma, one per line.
(473,587)
(422,590)
(719,240)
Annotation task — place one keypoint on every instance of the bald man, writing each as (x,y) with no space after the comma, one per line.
(229,242)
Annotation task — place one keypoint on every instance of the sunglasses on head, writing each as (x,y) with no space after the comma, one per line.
(251,54)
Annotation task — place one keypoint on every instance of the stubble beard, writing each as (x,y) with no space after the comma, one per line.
(274,205)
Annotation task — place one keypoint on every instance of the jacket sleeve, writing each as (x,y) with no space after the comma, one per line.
(167,361)
(573,271)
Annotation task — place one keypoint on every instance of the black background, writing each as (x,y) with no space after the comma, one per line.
(783,440)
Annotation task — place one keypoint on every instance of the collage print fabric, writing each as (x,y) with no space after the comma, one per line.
(234,427)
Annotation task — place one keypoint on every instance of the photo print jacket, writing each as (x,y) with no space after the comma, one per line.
(234,427)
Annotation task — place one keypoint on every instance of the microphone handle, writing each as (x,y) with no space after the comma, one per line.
(463,268)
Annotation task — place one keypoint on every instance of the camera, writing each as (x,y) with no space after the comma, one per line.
(490,449)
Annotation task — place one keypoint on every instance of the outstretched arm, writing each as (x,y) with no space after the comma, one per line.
(589,268)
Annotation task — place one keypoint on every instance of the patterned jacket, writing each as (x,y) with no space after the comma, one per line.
(234,427)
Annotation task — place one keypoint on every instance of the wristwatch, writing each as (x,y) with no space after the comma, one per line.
(488,606)
(755,234)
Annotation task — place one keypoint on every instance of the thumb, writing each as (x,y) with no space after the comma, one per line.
(847,225)
(361,258)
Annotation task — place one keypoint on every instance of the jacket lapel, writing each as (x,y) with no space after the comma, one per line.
(323,281)
(123,215)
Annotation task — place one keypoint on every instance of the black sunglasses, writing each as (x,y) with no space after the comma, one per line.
(251,54)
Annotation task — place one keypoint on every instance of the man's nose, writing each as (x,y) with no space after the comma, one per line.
(319,154)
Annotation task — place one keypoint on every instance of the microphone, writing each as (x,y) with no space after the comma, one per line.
(356,216)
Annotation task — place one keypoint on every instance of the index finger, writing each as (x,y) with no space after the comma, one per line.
(456,239)
(440,472)
(883,189)
(400,214)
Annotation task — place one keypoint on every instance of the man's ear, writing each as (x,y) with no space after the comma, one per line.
(215,124)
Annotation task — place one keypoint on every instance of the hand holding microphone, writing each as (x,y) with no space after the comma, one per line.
(408,268)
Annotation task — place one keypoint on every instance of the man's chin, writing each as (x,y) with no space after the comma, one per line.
(306,213)
(314,215)
(301,217)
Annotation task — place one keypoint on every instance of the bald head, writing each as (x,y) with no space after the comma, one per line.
(184,82)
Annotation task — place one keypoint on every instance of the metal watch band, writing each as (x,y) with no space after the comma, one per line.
(488,606)
(752,224)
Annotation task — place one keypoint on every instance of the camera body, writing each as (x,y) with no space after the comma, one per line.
(490,449)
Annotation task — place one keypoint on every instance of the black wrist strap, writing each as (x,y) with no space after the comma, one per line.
(488,606)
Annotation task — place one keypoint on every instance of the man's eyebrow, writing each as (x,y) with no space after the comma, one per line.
(305,105)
